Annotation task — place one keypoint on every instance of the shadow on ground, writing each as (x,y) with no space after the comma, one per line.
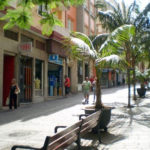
(32,111)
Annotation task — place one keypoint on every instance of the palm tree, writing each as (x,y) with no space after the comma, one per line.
(119,14)
(103,59)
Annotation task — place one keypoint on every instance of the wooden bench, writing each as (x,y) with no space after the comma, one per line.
(63,139)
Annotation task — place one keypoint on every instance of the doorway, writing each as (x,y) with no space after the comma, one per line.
(8,75)
(25,79)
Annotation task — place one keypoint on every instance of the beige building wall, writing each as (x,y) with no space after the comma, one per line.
(10,47)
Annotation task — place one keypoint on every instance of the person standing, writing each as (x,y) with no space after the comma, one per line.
(67,85)
(91,80)
(14,90)
(86,86)
(94,89)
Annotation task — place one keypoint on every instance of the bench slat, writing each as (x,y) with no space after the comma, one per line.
(72,134)
(64,144)
(56,136)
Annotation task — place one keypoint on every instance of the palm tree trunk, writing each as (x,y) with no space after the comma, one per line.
(129,87)
(98,89)
(128,57)
(134,78)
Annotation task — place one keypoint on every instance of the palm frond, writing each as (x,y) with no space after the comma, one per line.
(117,38)
(83,37)
(82,48)
(142,18)
(111,61)
(99,40)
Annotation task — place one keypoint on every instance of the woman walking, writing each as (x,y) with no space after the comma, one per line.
(14,90)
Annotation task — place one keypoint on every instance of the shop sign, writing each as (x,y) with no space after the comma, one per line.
(25,47)
(55,59)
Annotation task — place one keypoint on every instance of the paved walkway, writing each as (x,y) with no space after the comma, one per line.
(129,129)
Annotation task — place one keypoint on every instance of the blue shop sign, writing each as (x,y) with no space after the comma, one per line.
(55,59)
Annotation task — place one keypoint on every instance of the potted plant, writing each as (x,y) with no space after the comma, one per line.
(142,77)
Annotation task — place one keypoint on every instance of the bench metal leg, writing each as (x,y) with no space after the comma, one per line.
(78,144)
(105,129)
(99,136)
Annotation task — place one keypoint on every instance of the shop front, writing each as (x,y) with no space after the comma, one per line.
(57,67)
(55,76)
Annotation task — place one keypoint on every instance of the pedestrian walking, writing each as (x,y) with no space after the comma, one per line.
(14,91)
(123,81)
(67,85)
(91,80)
(94,90)
(86,86)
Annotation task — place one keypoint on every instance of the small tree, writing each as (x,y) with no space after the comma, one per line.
(115,14)
(105,57)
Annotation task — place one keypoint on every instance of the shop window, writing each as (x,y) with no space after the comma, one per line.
(40,45)
(80,72)
(55,79)
(38,77)
(11,35)
(25,38)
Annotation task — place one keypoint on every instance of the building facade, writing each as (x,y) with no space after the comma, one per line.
(38,62)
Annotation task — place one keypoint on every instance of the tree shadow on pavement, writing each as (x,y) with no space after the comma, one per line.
(32,111)
(90,140)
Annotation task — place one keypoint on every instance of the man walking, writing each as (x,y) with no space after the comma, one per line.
(86,86)
(67,85)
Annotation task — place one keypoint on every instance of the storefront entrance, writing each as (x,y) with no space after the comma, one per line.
(8,75)
(55,80)
(25,79)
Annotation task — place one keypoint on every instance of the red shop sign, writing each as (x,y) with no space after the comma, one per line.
(25,47)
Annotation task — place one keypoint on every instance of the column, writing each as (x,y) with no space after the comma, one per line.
(45,80)
(74,76)
(33,80)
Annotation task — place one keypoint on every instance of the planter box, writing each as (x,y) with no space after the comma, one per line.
(105,116)
(141,92)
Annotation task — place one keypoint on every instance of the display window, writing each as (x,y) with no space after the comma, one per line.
(55,79)
(39,77)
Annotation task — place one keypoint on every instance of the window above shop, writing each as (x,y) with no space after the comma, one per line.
(40,45)
(25,38)
(11,35)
